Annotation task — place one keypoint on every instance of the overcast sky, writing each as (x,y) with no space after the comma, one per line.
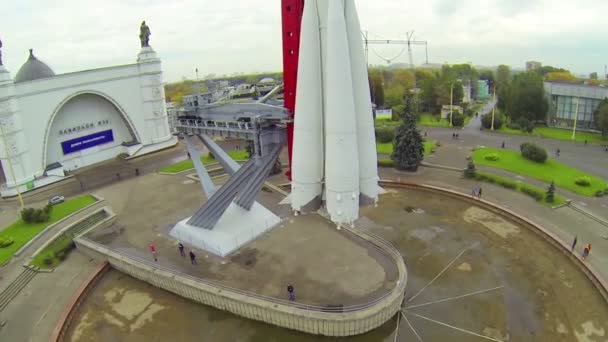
(229,36)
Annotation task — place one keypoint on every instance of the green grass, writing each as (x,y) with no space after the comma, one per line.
(552,170)
(518,186)
(53,252)
(188,164)
(557,134)
(387,148)
(23,232)
(386,122)
(427,119)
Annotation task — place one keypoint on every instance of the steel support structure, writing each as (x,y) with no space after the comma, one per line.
(291,12)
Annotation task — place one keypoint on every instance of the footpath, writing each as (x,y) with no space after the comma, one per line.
(564,222)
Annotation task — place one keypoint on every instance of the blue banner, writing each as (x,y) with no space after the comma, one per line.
(87,141)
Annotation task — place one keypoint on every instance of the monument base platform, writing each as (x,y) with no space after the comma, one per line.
(236,228)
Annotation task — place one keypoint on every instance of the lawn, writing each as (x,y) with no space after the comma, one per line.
(188,165)
(387,148)
(383,122)
(54,253)
(558,134)
(427,119)
(22,232)
(526,189)
(552,170)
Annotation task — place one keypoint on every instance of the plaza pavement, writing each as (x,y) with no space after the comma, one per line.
(33,306)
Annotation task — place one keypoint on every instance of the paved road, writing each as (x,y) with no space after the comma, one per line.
(475,123)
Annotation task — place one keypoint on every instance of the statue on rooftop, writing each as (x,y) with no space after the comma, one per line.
(144,34)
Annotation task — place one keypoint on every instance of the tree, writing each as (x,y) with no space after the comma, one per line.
(601,117)
(470,171)
(561,76)
(593,76)
(376,87)
(408,150)
(526,97)
(503,76)
(550,198)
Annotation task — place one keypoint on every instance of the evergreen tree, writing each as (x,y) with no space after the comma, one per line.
(550,198)
(469,172)
(408,150)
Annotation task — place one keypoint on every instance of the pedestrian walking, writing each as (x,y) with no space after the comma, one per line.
(574,243)
(585,142)
(152,249)
(192,258)
(586,251)
(118,175)
(502,145)
(189,156)
(137,172)
(453,135)
(557,152)
(474,191)
(180,246)
(479,193)
(291,292)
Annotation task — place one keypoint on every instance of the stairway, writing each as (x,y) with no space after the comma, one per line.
(16,286)
(87,223)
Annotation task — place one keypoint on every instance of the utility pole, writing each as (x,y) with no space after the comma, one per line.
(494,108)
(578,100)
(451,101)
(10,165)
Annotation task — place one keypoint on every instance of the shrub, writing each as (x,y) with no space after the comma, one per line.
(533,152)
(457,119)
(598,193)
(525,125)
(582,181)
(550,196)
(48,261)
(491,157)
(532,192)
(506,184)
(469,172)
(6,241)
(486,121)
(385,134)
(386,163)
(33,215)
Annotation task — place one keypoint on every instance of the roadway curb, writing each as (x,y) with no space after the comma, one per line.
(65,320)
(591,272)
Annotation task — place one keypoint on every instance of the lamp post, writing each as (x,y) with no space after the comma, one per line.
(578,100)
(10,164)
(493,108)
(451,101)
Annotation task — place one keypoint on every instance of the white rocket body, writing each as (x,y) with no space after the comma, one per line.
(333,120)
(308,146)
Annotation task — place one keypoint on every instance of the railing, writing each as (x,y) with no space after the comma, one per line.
(191,123)
(380,243)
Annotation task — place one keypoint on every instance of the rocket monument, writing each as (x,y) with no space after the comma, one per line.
(334,148)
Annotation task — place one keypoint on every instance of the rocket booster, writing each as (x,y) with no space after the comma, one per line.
(334,142)
(308,152)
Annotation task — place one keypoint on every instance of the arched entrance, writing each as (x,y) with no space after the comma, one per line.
(86,129)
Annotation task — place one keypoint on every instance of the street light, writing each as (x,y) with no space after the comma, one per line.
(451,101)
(493,108)
(578,100)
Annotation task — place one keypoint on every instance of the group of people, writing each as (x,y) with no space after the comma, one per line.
(586,250)
(182,252)
(455,135)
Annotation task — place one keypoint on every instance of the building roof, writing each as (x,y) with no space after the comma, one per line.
(33,69)
(267,80)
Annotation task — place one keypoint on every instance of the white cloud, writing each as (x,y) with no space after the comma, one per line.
(228,36)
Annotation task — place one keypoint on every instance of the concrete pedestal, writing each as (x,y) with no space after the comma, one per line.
(236,228)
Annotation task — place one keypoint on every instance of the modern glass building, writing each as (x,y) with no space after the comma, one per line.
(565,98)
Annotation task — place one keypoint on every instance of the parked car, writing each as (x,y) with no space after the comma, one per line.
(56,199)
